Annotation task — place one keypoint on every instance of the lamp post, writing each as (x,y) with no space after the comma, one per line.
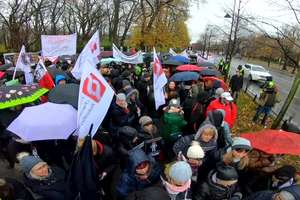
(231,29)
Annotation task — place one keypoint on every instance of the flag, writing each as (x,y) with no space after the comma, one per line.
(23,63)
(159,81)
(90,52)
(82,177)
(44,78)
(95,96)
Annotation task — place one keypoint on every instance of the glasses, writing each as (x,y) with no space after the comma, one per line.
(239,150)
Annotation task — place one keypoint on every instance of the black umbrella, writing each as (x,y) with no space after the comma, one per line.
(171,62)
(65,94)
(10,72)
(185,76)
(209,72)
(5,66)
(82,178)
(206,64)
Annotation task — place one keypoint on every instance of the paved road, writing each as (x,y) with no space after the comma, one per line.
(284,83)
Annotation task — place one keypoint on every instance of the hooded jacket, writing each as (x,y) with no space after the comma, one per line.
(129,182)
(212,144)
(216,118)
(51,188)
(229,108)
(173,124)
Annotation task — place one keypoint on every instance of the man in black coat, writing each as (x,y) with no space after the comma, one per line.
(221,184)
(236,84)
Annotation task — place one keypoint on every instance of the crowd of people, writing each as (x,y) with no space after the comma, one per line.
(184,150)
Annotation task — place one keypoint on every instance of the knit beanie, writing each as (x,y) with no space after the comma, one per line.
(285,173)
(195,151)
(241,143)
(145,120)
(226,173)
(27,162)
(180,172)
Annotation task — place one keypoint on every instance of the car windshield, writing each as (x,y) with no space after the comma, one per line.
(259,69)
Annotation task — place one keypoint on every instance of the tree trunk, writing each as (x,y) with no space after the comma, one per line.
(288,101)
(284,67)
(117,4)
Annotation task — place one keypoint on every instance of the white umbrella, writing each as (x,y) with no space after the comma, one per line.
(46,121)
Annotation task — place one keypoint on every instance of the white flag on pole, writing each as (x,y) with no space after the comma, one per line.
(23,63)
(91,52)
(95,96)
(159,81)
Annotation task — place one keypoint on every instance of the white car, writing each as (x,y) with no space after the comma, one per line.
(256,72)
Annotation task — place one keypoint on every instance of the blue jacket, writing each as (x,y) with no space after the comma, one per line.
(129,182)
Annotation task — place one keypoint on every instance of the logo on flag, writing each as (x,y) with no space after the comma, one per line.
(157,67)
(93,88)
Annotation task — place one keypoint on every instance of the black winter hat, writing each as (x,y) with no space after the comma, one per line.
(226,173)
(285,172)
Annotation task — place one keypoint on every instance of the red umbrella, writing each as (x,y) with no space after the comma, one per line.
(193,68)
(213,78)
(2,74)
(275,141)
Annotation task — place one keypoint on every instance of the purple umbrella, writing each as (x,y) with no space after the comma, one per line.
(46,121)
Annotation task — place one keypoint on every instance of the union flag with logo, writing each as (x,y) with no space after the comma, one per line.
(95,96)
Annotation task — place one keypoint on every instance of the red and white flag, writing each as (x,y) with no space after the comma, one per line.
(159,81)
(95,96)
(42,76)
(23,63)
(91,52)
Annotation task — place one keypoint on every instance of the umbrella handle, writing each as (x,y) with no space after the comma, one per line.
(91,128)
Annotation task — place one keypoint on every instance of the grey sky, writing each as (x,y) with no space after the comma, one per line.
(213,12)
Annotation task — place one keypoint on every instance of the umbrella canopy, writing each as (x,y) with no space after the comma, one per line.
(46,121)
(10,72)
(275,141)
(192,68)
(2,74)
(65,94)
(215,79)
(14,95)
(207,64)
(6,66)
(171,63)
(180,59)
(185,76)
(106,61)
(209,72)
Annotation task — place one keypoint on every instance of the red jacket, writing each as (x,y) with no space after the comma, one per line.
(230,110)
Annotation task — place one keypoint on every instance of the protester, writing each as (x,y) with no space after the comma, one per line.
(148,129)
(177,180)
(225,103)
(141,172)
(197,115)
(283,177)
(42,179)
(216,118)
(60,80)
(222,183)
(171,91)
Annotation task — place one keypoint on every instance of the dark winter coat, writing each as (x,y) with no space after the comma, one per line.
(261,195)
(120,117)
(236,83)
(211,190)
(50,188)
(150,193)
(129,182)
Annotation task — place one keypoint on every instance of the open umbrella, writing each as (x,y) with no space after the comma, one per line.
(10,72)
(192,68)
(180,59)
(65,94)
(14,95)
(6,66)
(275,141)
(106,61)
(206,64)
(209,72)
(171,63)
(215,79)
(2,74)
(46,121)
(185,76)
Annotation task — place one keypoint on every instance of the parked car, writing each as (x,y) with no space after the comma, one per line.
(256,72)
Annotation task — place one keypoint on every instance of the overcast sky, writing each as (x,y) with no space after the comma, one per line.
(213,12)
